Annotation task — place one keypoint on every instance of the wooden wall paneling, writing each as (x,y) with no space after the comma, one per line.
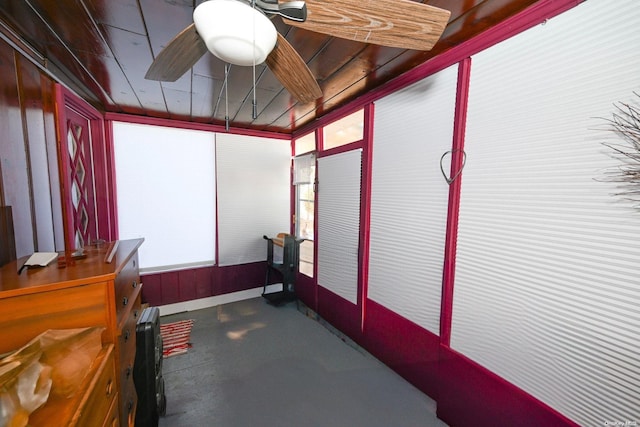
(187,285)
(170,283)
(47,44)
(69,19)
(7,239)
(28,23)
(204,282)
(152,289)
(32,106)
(15,178)
(8,97)
(241,277)
(47,89)
(84,42)
(171,287)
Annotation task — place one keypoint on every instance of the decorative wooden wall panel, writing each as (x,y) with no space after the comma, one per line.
(28,168)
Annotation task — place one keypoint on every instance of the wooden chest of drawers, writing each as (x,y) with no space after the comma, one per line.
(94,404)
(92,292)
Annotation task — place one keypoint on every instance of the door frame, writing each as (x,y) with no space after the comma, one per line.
(102,160)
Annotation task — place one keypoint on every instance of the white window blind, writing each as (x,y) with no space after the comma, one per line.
(546,286)
(253,195)
(338,201)
(412,129)
(166,193)
(304,169)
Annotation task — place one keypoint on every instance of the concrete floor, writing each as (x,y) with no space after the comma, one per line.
(256,365)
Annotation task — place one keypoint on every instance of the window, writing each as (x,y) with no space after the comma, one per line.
(166,181)
(304,176)
(344,131)
(305,144)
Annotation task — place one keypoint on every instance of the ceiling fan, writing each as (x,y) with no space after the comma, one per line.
(239,32)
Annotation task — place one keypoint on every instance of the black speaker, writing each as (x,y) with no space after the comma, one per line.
(147,369)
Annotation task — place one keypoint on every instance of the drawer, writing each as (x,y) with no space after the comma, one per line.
(26,316)
(128,404)
(126,283)
(102,395)
(127,342)
(112,419)
(127,356)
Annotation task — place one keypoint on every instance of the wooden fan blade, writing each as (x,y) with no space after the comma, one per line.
(178,56)
(395,23)
(291,70)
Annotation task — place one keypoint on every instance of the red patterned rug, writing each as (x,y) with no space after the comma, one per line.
(176,337)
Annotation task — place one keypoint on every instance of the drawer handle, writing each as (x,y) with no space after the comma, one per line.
(109,388)
(129,406)
(136,314)
(128,371)
(125,301)
(126,335)
(134,284)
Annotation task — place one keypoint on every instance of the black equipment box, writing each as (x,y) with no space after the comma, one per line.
(147,369)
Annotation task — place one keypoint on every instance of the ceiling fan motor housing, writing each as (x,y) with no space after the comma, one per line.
(235,32)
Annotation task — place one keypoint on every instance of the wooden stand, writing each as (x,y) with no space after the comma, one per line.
(288,268)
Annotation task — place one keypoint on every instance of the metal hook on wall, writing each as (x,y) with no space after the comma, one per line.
(457,174)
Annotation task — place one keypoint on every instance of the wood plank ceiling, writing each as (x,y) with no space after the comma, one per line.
(103,48)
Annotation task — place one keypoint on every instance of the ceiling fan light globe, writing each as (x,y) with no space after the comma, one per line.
(234,31)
